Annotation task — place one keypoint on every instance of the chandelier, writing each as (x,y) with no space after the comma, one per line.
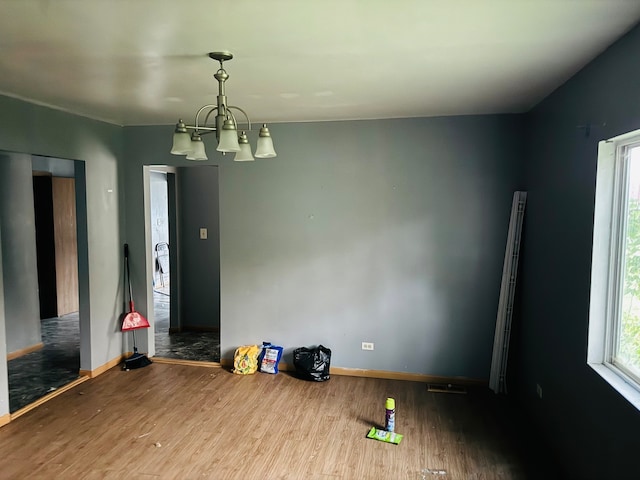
(187,139)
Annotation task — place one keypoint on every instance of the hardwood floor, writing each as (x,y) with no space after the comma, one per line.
(169,421)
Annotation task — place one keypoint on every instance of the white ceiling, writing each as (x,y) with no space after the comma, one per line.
(143,62)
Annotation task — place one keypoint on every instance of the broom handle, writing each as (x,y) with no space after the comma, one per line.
(126,263)
(126,260)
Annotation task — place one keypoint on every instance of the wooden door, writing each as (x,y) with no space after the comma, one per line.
(66,244)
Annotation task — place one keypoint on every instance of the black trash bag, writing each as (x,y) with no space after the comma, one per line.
(312,363)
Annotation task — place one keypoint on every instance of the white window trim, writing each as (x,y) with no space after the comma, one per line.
(603,288)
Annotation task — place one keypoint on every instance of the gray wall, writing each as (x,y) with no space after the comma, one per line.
(591,427)
(57,167)
(17,222)
(4,374)
(32,129)
(390,232)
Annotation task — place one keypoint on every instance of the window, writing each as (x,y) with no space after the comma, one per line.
(614,317)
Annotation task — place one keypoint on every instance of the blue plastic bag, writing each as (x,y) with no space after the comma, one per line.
(269,358)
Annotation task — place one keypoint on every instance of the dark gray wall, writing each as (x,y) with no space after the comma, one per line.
(17,222)
(592,428)
(389,231)
(199,259)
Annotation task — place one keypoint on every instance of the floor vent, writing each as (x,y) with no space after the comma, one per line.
(445,388)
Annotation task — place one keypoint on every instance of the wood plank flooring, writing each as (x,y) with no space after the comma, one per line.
(170,421)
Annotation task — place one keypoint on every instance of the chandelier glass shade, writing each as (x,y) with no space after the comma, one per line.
(187,139)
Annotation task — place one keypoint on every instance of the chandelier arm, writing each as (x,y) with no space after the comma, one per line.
(206,130)
(233,117)
(206,119)
(243,112)
(212,106)
(202,129)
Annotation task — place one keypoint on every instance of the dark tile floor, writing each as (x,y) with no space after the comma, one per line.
(198,346)
(36,374)
(56,364)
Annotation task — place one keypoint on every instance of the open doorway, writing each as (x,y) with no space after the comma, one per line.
(183,232)
(40,275)
(160,241)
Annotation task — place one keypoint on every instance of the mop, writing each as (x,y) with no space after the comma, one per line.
(132,321)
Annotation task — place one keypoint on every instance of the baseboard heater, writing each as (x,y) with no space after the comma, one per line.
(497,379)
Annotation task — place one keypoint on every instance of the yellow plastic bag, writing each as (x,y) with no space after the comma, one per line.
(245,359)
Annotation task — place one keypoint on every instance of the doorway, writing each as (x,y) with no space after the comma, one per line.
(183,246)
(161,253)
(40,275)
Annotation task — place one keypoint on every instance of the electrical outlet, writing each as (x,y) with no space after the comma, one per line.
(203,234)
(367,346)
(539,390)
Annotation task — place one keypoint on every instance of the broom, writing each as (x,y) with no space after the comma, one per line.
(132,321)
